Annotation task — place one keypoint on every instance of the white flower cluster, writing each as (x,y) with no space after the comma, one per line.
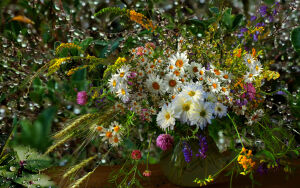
(193,106)
(112,134)
(254,68)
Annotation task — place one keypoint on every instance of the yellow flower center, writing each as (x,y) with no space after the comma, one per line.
(116,128)
(167,116)
(108,134)
(195,69)
(123,92)
(191,93)
(155,85)
(116,139)
(179,63)
(114,83)
(214,85)
(172,83)
(122,74)
(186,107)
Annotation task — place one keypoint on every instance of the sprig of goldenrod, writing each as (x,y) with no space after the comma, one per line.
(56,63)
(112,68)
(68,46)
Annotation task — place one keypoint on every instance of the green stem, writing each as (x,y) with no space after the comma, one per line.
(234,159)
(236,129)
(148,152)
(231,179)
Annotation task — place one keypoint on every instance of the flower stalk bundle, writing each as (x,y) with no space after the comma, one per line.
(179,89)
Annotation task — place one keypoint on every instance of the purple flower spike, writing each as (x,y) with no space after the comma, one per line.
(203,147)
(253,18)
(81,97)
(263,10)
(187,152)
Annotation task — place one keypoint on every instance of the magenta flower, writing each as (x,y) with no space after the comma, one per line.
(81,97)
(164,141)
(140,51)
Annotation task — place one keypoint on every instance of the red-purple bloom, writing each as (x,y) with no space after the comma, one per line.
(136,154)
(81,97)
(164,141)
(250,91)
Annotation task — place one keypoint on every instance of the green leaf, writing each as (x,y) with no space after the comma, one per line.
(237,20)
(227,18)
(38,180)
(34,160)
(267,154)
(214,10)
(269,2)
(37,134)
(85,44)
(295,38)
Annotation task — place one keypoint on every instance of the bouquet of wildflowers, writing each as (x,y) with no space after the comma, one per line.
(204,81)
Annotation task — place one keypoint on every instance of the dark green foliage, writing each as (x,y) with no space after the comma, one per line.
(295,38)
(37,133)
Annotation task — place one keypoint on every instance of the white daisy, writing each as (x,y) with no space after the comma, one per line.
(214,85)
(115,140)
(155,84)
(194,68)
(115,127)
(226,76)
(183,108)
(166,117)
(210,97)
(250,76)
(249,60)
(201,114)
(123,72)
(113,83)
(123,93)
(193,92)
(257,68)
(220,110)
(172,83)
(107,136)
(179,60)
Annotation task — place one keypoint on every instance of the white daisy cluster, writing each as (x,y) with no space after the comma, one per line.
(150,82)
(193,106)
(112,134)
(254,68)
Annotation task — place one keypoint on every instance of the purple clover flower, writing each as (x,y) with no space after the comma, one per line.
(187,152)
(203,147)
(81,97)
(250,91)
(164,141)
